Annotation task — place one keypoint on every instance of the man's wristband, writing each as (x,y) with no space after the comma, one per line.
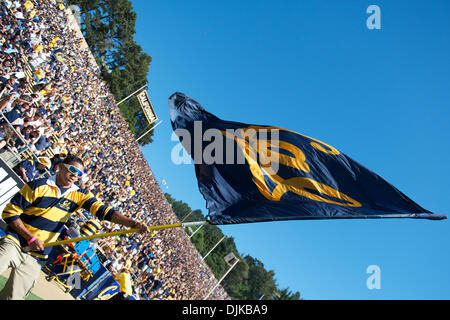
(31,240)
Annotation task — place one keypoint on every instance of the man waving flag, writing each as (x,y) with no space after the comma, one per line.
(253,173)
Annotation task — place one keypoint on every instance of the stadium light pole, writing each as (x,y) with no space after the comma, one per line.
(237,260)
(123,100)
(213,247)
(137,140)
(187,215)
(196,231)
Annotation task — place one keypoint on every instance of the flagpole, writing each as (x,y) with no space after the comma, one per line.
(117,233)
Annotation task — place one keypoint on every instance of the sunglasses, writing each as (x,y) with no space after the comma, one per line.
(73,169)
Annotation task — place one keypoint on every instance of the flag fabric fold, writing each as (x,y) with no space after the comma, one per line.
(254,173)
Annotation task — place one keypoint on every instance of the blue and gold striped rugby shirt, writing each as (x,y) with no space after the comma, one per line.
(44,210)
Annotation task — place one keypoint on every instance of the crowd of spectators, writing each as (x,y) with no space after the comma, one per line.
(54,103)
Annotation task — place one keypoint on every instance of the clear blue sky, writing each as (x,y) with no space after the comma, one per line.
(380,96)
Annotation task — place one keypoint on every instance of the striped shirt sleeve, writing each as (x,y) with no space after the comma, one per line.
(97,208)
(19,202)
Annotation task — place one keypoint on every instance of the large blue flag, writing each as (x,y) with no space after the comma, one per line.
(253,173)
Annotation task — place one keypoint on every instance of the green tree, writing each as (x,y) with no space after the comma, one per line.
(249,279)
(286,294)
(260,281)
